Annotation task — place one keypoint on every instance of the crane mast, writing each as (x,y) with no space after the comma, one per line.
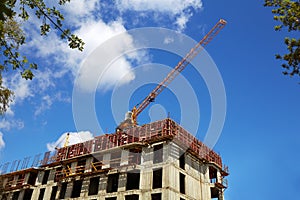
(179,67)
(67,140)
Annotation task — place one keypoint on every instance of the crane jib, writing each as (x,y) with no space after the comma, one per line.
(178,69)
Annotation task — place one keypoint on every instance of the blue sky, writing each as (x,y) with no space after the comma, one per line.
(260,140)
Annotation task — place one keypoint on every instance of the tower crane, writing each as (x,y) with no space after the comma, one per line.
(67,140)
(137,109)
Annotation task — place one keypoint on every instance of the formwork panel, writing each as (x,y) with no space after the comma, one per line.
(147,133)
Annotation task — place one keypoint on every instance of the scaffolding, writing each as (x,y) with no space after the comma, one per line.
(147,134)
(97,166)
(17,179)
(161,130)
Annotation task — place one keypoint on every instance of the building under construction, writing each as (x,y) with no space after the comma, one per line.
(155,161)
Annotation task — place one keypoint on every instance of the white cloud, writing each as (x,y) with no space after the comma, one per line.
(178,9)
(8,124)
(45,105)
(168,40)
(4,124)
(94,32)
(43,79)
(62,97)
(182,20)
(47,101)
(74,138)
(84,17)
(19,86)
(80,8)
(95,67)
(26,89)
(2,143)
(173,7)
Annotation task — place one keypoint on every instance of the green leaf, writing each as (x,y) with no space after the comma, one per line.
(27,74)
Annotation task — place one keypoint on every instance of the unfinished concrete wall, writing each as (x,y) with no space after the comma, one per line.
(167,171)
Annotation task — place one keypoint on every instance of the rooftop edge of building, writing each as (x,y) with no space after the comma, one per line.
(146,134)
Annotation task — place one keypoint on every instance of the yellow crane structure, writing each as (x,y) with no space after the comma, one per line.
(67,140)
(172,75)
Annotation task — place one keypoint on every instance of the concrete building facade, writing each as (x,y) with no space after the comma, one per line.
(155,161)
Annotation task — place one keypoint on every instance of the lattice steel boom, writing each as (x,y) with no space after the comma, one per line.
(179,67)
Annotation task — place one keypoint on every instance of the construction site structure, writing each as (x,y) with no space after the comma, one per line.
(131,120)
(156,161)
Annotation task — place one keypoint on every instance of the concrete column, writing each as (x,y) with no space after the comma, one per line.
(147,156)
(219,176)
(167,178)
(69,190)
(205,182)
(146,179)
(35,193)
(145,195)
(16,177)
(192,187)
(122,182)
(21,195)
(124,157)
(26,178)
(88,166)
(48,192)
(52,175)
(106,159)
(85,187)
(102,185)
(166,152)
(5,182)
(170,177)
(73,167)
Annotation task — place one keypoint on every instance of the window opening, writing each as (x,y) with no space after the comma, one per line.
(132,197)
(115,159)
(45,177)
(16,195)
(32,178)
(42,192)
(111,198)
(97,163)
(182,160)
(182,183)
(158,153)
(213,174)
(4,196)
(156,196)
(157,178)
(112,183)
(27,194)
(214,192)
(94,185)
(135,156)
(63,190)
(133,180)
(21,179)
(53,193)
(76,189)
(58,174)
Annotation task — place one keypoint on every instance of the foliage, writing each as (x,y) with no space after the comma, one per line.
(12,37)
(287,12)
